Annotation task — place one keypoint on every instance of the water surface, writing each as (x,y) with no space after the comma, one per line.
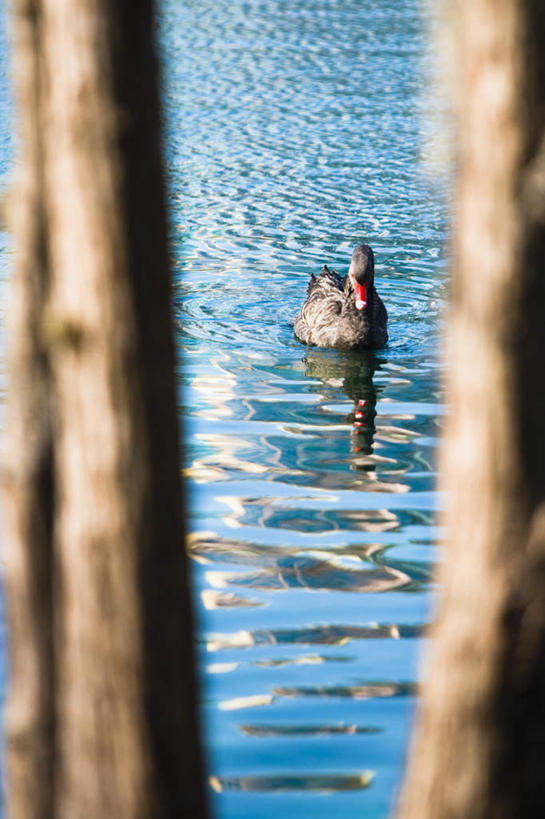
(294,133)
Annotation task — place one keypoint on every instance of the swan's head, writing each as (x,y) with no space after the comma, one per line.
(361,273)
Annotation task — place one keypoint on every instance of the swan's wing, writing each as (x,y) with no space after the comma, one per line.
(323,305)
(328,280)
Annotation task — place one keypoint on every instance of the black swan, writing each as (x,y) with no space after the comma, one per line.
(346,313)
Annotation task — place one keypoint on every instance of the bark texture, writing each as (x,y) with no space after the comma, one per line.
(101,717)
(479,747)
(27,461)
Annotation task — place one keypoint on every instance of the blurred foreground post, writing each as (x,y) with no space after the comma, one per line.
(101,720)
(479,747)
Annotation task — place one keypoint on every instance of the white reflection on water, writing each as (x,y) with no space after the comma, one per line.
(293,135)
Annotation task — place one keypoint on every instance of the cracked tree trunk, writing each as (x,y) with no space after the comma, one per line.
(479,746)
(101,720)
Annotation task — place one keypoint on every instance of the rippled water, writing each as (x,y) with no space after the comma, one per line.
(294,133)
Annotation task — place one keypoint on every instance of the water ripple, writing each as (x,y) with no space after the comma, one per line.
(292,135)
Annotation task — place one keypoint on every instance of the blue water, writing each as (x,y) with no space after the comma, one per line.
(294,132)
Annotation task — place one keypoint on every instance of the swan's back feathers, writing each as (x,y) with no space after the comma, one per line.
(329,318)
(322,307)
(327,280)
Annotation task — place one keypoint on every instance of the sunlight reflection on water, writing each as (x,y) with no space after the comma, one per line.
(294,134)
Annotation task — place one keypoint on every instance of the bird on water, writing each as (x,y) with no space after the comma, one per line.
(344,311)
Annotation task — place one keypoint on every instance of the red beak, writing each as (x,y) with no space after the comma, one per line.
(361,295)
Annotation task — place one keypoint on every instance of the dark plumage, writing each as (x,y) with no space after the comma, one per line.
(346,313)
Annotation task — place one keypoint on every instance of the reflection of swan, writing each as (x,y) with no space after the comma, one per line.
(354,371)
(346,313)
